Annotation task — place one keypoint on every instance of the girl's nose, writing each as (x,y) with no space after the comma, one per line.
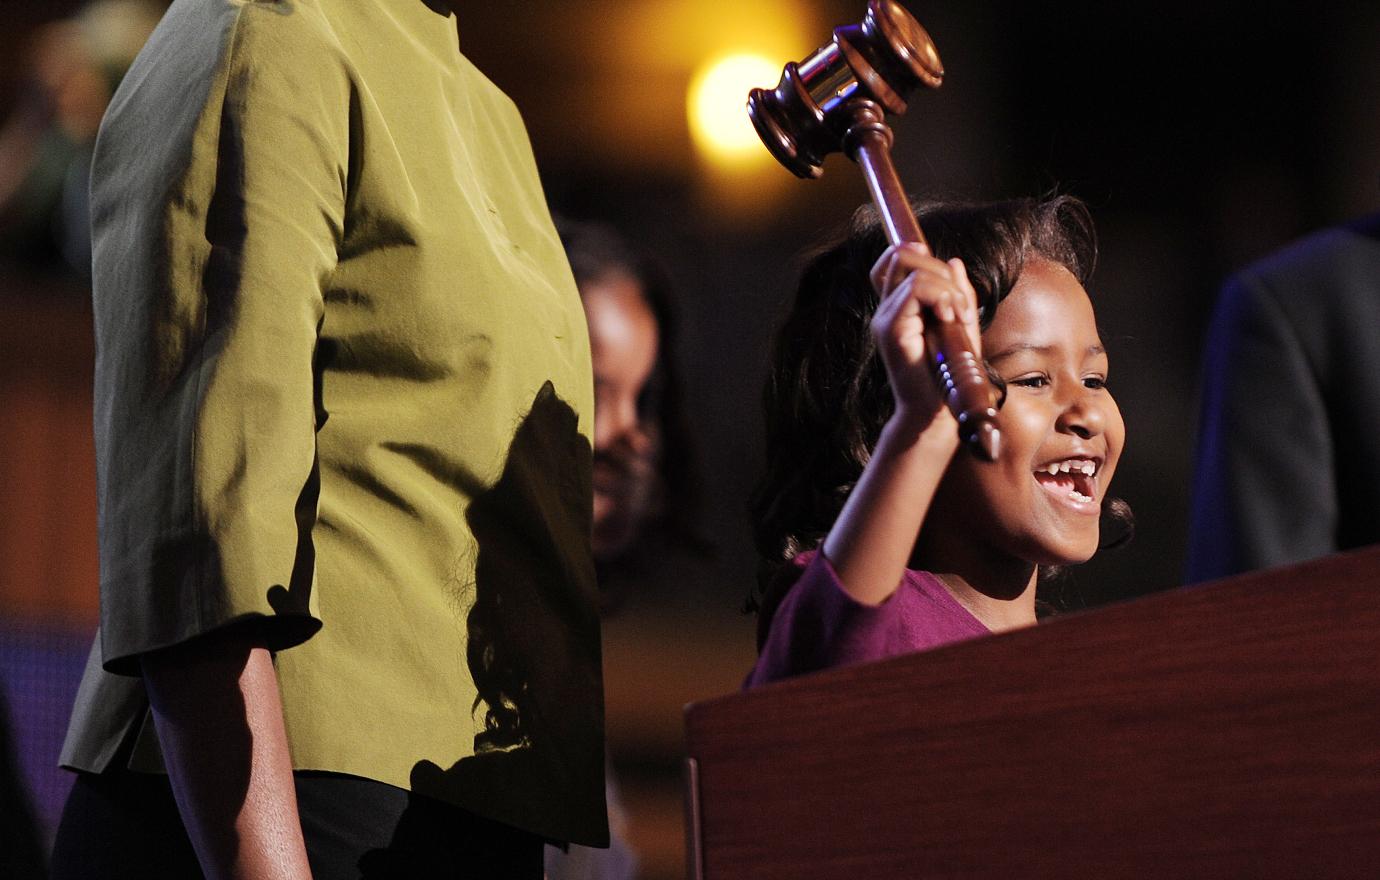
(1082,416)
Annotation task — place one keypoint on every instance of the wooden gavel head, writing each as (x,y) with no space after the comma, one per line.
(882,60)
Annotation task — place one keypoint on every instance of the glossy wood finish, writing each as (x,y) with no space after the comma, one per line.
(1226,730)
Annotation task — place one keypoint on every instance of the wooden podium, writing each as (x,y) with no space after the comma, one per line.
(1226,730)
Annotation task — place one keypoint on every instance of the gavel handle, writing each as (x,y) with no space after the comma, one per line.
(969,395)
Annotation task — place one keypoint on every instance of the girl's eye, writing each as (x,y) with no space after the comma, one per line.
(1038,380)
(1095,382)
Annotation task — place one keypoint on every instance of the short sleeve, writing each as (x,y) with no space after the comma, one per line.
(218,204)
(819,626)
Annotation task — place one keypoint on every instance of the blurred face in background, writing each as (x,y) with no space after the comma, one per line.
(624,340)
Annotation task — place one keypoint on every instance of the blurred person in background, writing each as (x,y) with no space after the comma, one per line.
(645,501)
(646,497)
(73,68)
(1287,464)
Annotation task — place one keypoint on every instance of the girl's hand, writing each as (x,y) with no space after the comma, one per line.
(874,535)
(914,285)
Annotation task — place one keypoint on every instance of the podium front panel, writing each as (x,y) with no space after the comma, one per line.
(1230,729)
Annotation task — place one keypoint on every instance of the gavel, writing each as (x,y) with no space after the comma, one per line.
(837,100)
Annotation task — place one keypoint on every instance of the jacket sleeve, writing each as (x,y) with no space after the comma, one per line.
(218,208)
(1264,490)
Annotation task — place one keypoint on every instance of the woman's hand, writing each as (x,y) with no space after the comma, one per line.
(914,285)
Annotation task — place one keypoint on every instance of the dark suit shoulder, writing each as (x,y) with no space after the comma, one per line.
(1338,263)
(1325,287)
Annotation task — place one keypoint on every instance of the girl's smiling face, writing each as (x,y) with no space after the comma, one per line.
(1061,430)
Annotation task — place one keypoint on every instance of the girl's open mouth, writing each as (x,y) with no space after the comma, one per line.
(1072,480)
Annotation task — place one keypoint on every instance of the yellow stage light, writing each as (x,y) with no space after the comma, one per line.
(717,106)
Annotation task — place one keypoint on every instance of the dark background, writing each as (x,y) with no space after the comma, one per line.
(1203,135)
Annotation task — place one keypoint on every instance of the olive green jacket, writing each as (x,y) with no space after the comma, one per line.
(343,388)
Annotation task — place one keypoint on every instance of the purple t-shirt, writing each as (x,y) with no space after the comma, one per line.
(818,625)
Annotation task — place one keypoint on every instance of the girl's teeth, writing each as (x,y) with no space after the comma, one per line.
(1078,496)
(1086,468)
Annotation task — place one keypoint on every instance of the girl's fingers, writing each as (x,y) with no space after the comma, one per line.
(896,311)
(911,282)
(898,304)
(881,272)
(970,305)
(905,305)
(933,290)
(965,286)
(896,262)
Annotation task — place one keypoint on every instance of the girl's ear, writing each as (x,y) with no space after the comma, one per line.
(1117,513)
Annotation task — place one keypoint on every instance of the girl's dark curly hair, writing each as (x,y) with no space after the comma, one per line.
(827,396)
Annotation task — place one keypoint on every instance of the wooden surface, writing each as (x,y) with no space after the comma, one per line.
(1226,730)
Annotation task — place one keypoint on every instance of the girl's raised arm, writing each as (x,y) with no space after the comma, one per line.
(875,533)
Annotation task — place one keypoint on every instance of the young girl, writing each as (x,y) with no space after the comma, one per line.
(885,538)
